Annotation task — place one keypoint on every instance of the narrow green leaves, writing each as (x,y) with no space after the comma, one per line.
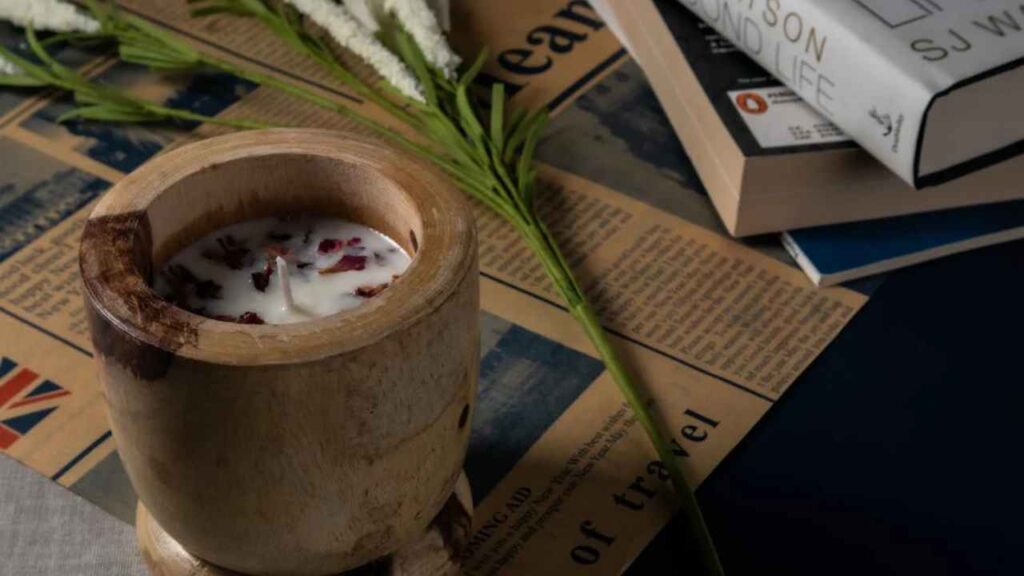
(95,101)
(530,123)
(525,163)
(498,116)
(467,77)
(21,81)
(142,42)
(109,113)
(31,74)
(468,120)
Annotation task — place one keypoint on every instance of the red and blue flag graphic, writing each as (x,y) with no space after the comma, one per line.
(25,400)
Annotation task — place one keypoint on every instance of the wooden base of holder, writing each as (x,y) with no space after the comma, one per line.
(437,553)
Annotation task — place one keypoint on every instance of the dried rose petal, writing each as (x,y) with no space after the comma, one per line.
(208,290)
(179,279)
(232,252)
(346,263)
(250,318)
(370,291)
(329,245)
(355,241)
(260,280)
(181,273)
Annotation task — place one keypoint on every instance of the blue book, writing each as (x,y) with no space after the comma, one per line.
(839,253)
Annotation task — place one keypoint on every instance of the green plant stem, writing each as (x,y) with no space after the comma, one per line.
(186,115)
(545,247)
(318,99)
(689,507)
(54,75)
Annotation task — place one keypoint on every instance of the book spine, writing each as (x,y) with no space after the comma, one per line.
(827,61)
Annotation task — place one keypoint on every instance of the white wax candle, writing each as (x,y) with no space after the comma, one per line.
(235,274)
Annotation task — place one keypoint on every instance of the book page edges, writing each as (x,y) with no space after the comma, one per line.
(715,155)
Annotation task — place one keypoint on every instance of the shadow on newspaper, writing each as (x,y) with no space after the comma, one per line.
(37,192)
(125,147)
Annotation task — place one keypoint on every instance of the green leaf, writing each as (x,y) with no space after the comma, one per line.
(154,57)
(513,122)
(467,116)
(55,67)
(497,115)
(528,187)
(21,81)
(83,96)
(525,165)
(27,67)
(108,113)
(467,77)
(522,129)
(145,37)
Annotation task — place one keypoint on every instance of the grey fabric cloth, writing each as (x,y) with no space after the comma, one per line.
(46,529)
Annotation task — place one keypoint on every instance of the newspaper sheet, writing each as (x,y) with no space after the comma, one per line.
(564,480)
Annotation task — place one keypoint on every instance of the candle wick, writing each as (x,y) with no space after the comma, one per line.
(286,285)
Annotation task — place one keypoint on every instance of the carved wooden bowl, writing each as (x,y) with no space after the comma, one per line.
(307,448)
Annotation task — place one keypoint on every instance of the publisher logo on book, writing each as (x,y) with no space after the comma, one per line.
(890,129)
(751,103)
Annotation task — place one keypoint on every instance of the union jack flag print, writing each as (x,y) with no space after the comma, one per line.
(25,400)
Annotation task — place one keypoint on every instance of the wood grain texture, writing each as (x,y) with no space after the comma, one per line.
(436,552)
(306,448)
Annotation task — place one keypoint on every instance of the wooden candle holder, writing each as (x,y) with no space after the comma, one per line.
(309,448)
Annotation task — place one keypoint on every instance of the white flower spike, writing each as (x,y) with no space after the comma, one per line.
(52,15)
(421,23)
(366,11)
(346,30)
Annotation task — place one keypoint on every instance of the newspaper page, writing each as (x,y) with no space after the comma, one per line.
(564,482)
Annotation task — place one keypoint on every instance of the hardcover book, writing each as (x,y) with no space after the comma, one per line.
(929,87)
(769,161)
(834,254)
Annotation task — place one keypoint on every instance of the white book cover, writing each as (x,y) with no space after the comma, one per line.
(929,87)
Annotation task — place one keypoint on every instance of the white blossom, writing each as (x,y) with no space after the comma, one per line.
(421,23)
(443,10)
(367,12)
(346,30)
(7,67)
(51,15)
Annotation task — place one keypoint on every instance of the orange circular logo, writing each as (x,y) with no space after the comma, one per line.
(752,103)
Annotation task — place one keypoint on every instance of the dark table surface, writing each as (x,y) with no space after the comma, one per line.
(896,452)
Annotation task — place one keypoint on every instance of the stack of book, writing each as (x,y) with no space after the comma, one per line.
(873,134)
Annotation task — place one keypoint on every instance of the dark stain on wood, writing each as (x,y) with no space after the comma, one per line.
(129,322)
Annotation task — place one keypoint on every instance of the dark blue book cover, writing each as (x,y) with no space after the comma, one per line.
(842,252)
